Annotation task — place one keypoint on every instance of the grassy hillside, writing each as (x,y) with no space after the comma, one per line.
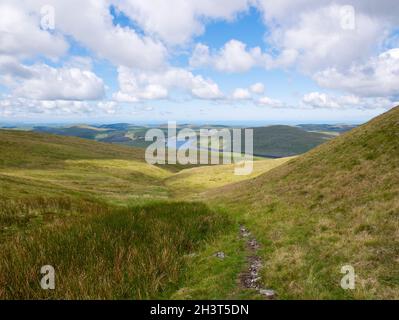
(62,197)
(336,205)
(33,164)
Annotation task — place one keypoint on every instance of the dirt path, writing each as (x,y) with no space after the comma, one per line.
(250,278)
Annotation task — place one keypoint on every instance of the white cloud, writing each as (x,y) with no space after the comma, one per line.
(204,88)
(257,88)
(10,106)
(320,41)
(320,100)
(108,107)
(177,21)
(378,76)
(42,82)
(234,56)
(241,94)
(21,35)
(144,85)
(328,101)
(317,30)
(269,102)
(88,22)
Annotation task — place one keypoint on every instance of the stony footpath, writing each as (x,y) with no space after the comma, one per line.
(250,278)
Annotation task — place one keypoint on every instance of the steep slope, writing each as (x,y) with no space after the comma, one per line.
(336,205)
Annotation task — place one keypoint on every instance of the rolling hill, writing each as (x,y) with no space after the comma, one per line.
(33,164)
(273,141)
(336,205)
(284,141)
(64,196)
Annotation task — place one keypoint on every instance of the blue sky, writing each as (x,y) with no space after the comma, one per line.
(188,61)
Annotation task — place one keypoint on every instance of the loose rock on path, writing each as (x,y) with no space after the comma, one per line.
(250,278)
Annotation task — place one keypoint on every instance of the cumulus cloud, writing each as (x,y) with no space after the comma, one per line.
(21,35)
(234,56)
(257,88)
(90,23)
(320,100)
(309,35)
(328,101)
(141,85)
(42,82)
(10,106)
(269,102)
(241,94)
(246,93)
(177,21)
(316,31)
(378,76)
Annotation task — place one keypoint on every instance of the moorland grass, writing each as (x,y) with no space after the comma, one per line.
(132,253)
(335,205)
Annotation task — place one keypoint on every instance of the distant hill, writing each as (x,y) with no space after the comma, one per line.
(284,141)
(86,132)
(272,141)
(116,126)
(340,128)
(333,206)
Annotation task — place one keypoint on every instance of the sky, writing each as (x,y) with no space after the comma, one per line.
(210,61)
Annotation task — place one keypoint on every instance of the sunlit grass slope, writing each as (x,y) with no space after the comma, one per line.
(336,205)
(33,164)
(189,182)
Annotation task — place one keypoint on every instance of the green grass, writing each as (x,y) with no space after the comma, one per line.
(338,204)
(190,182)
(88,209)
(133,253)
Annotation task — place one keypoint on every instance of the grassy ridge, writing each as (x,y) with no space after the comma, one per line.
(338,204)
(134,253)
(28,149)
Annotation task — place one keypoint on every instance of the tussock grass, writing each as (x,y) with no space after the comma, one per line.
(21,213)
(133,253)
